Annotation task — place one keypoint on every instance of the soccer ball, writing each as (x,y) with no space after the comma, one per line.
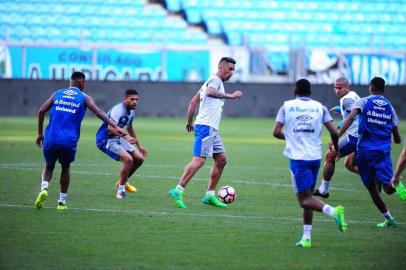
(227,194)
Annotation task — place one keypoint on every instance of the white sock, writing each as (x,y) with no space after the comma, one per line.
(387,215)
(44,185)
(329,210)
(179,187)
(63,197)
(324,186)
(307,232)
(121,188)
(210,192)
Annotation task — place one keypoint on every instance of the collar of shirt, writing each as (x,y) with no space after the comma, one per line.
(303,98)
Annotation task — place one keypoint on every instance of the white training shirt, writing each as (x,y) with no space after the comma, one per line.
(210,109)
(303,119)
(347,103)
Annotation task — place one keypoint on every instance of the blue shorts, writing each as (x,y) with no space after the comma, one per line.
(374,165)
(347,145)
(65,154)
(304,174)
(207,141)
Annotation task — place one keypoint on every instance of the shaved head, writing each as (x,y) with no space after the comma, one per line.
(342,81)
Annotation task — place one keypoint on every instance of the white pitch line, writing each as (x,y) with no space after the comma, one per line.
(179,213)
(161,177)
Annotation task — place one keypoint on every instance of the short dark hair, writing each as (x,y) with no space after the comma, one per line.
(228,60)
(130,92)
(77,75)
(378,83)
(303,88)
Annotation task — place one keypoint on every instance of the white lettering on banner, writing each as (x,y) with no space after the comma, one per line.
(65,109)
(107,73)
(389,67)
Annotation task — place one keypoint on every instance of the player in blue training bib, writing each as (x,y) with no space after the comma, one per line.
(68,107)
(378,122)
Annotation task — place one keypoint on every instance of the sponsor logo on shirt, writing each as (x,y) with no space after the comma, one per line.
(380,102)
(70,92)
(302,126)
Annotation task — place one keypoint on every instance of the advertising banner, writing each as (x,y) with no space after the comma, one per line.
(359,68)
(106,65)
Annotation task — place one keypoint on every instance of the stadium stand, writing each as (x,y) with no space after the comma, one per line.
(270,29)
(281,24)
(274,25)
(128,21)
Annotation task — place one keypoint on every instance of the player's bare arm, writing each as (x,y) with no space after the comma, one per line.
(46,106)
(277,131)
(191,111)
(351,117)
(132,133)
(121,133)
(212,92)
(102,115)
(333,134)
(396,136)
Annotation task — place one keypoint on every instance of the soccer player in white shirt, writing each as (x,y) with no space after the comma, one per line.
(208,142)
(121,148)
(347,144)
(303,119)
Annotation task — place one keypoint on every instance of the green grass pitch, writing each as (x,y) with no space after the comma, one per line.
(257,231)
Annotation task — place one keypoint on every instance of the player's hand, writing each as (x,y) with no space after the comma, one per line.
(397,140)
(189,127)
(335,109)
(143,151)
(121,132)
(236,94)
(395,181)
(38,140)
(130,139)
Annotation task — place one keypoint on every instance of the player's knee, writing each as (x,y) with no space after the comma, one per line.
(65,167)
(330,156)
(348,165)
(303,203)
(222,162)
(139,160)
(389,189)
(198,162)
(49,167)
(127,160)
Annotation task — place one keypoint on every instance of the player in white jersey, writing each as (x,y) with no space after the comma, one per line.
(207,138)
(121,148)
(303,119)
(347,144)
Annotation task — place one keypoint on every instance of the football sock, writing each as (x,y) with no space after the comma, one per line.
(44,185)
(180,188)
(121,188)
(63,197)
(324,187)
(328,210)
(307,232)
(210,192)
(387,215)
